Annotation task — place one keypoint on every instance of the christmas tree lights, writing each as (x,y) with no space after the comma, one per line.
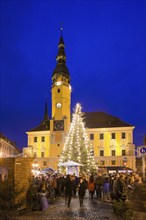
(78,147)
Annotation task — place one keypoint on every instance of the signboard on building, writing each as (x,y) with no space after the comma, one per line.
(142,151)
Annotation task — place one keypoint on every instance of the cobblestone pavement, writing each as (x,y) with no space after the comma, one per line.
(58,210)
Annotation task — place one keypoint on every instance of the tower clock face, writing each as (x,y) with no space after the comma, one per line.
(58,105)
(59,125)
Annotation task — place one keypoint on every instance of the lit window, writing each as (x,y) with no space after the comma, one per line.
(43,139)
(113,162)
(101,153)
(35,139)
(58,83)
(102,162)
(101,136)
(91,136)
(113,135)
(123,136)
(113,153)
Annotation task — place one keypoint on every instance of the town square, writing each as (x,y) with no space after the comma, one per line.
(72,110)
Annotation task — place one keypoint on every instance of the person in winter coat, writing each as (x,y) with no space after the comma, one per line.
(83,185)
(54,185)
(106,188)
(120,187)
(69,187)
(42,196)
(91,187)
(60,185)
(99,185)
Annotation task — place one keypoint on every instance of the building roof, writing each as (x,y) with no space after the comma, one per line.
(102,120)
(43,126)
(92,120)
(7,139)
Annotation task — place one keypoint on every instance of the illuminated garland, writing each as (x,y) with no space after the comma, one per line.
(77,145)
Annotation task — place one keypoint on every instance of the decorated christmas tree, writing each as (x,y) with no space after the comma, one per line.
(78,147)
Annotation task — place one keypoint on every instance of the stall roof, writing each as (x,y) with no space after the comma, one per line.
(70,163)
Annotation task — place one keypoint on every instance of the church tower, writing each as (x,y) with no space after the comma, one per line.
(61,101)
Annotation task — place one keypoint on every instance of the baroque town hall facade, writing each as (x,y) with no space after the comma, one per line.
(111,137)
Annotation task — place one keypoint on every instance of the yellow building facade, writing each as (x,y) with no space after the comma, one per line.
(112,138)
(7,147)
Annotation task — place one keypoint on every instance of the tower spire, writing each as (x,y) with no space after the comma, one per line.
(46,117)
(61,68)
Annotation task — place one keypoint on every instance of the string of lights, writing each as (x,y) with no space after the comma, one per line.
(77,145)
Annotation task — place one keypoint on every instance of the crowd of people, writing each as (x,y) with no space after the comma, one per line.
(104,187)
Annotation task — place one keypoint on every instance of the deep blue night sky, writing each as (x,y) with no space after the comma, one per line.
(105,49)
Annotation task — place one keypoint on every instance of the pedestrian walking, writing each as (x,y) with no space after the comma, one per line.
(91,187)
(106,188)
(83,185)
(54,185)
(99,185)
(43,195)
(69,187)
